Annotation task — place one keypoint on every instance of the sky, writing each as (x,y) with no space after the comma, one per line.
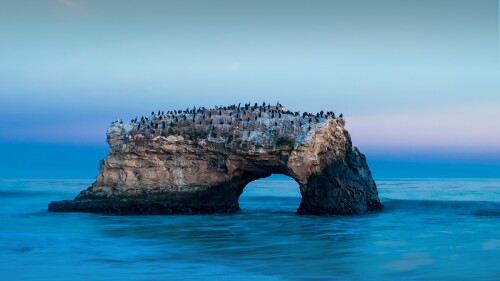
(417,81)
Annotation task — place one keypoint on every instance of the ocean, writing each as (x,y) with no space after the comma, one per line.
(430,229)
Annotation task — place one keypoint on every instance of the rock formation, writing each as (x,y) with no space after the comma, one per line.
(200,160)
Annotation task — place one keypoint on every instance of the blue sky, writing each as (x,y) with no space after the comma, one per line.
(418,81)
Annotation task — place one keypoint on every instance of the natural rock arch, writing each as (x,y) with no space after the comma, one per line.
(189,173)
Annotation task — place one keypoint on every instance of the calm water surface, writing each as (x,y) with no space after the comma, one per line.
(429,230)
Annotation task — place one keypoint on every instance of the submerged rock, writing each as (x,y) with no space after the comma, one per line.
(192,167)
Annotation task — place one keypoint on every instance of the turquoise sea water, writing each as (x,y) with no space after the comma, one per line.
(429,230)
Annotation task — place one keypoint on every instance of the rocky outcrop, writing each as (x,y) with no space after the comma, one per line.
(169,169)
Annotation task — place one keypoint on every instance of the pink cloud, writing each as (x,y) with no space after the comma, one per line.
(467,129)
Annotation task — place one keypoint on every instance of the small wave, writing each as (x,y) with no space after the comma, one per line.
(475,208)
(487,213)
(107,260)
(23,193)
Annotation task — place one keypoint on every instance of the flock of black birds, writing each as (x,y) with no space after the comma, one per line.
(220,120)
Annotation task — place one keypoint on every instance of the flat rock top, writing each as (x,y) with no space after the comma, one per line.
(261,125)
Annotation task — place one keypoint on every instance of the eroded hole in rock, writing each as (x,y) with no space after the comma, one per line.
(277,193)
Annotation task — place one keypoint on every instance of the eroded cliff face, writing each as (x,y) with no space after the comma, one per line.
(168,174)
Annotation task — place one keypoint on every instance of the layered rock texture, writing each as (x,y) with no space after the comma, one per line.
(200,162)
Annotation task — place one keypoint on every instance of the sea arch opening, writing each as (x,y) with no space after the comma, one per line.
(275,193)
